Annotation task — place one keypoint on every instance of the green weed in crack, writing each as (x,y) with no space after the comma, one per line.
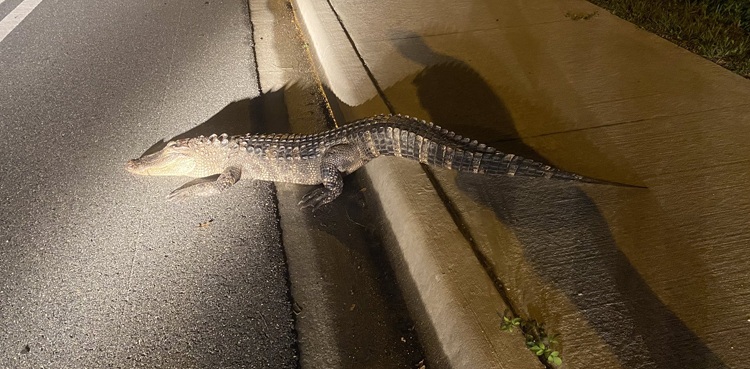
(542,344)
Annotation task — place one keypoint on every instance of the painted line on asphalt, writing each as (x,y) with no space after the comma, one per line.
(16,16)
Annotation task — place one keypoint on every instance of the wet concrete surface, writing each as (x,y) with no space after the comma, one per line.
(96,268)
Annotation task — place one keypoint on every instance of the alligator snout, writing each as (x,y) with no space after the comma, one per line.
(133,167)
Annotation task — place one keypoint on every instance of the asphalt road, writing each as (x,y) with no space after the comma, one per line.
(96,268)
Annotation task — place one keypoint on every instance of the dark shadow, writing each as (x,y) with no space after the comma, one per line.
(459,99)
(266,113)
(367,295)
(563,234)
(570,245)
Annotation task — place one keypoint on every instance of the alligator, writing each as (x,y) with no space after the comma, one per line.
(325,157)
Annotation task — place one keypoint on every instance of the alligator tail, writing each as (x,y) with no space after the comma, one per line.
(406,137)
(478,158)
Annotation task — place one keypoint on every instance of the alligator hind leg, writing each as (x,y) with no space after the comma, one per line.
(226,179)
(333,184)
(336,160)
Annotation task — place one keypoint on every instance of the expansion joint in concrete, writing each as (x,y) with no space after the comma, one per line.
(288,277)
(252,47)
(330,117)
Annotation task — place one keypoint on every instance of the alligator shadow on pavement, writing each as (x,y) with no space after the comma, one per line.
(554,220)
(266,113)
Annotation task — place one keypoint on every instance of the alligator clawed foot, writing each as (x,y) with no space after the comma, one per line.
(316,198)
(193,191)
(179,195)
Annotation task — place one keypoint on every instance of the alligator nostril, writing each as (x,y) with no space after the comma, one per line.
(130,165)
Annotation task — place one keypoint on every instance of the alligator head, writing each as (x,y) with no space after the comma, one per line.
(173,160)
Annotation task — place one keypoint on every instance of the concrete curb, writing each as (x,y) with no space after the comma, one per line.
(450,296)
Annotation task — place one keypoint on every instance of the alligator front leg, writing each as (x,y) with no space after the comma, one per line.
(226,179)
(336,160)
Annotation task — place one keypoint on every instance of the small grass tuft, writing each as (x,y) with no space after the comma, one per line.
(718,30)
(542,344)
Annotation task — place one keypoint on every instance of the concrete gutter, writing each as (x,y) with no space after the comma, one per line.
(455,304)
(348,309)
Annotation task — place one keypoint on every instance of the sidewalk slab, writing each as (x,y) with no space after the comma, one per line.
(630,278)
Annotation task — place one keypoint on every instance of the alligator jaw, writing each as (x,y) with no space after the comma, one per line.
(161,164)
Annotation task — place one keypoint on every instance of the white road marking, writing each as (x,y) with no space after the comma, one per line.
(16,16)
